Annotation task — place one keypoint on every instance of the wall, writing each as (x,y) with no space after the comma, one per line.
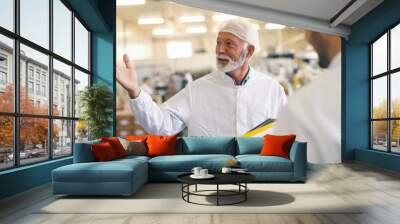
(356,99)
(24,178)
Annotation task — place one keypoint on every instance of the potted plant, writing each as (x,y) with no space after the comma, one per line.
(96,103)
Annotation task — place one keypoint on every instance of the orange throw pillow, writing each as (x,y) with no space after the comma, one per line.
(277,145)
(161,145)
(103,152)
(116,145)
(136,137)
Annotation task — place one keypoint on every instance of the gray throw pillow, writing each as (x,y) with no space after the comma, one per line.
(136,147)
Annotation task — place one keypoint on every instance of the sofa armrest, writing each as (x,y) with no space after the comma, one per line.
(83,152)
(298,155)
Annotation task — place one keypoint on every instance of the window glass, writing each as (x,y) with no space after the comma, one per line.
(6,74)
(34,81)
(39,62)
(379,135)
(395,94)
(33,140)
(81,45)
(395,47)
(81,81)
(395,136)
(81,131)
(6,142)
(379,56)
(379,98)
(7,14)
(62,138)
(34,21)
(62,89)
(62,29)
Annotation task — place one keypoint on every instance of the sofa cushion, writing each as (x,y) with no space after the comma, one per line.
(249,145)
(206,145)
(277,145)
(257,163)
(185,163)
(136,137)
(116,145)
(112,171)
(161,145)
(134,147)
(103,152)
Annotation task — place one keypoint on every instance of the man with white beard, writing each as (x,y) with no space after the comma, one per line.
(227,102)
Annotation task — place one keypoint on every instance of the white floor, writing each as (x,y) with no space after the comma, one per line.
(378,189)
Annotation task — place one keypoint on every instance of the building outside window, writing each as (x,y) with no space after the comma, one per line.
(3,72)
(43,90)
(30,72)
(38,89)
(3,78)
(44,77)
(37,75)
(30,87)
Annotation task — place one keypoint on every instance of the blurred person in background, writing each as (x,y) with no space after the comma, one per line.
(227,102)
(145,86)
(313,112)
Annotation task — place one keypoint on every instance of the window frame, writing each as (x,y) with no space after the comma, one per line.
(388,74)
(16,114)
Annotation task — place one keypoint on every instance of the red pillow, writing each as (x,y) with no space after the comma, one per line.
(103,151)
(161,145)
(277,145)
(116,145)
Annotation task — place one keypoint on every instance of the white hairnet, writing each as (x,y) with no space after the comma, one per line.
(242,30)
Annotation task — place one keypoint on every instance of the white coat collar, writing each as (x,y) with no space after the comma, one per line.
(228,81)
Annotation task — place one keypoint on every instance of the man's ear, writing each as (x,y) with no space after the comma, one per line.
(250,51)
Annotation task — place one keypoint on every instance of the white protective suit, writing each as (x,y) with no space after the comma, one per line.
(212,106)
(313,113)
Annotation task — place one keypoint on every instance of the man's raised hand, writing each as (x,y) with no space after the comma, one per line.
(128,78)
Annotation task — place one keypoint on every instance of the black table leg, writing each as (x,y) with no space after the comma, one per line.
(217,194)
(182,190)
(245,193)
(196,188)
(188,189)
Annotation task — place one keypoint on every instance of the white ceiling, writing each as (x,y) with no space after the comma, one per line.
(306,14)
(313,15)
(320,9)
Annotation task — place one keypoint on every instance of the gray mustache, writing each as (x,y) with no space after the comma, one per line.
(225,57)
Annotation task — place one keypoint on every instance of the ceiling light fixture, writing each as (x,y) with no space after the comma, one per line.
(130,2)
(162,31)
(223,17)
(191,19)
(255,26)
(274,26)
(199,29)
(150,21)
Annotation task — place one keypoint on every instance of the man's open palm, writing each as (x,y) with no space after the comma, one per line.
(127,77)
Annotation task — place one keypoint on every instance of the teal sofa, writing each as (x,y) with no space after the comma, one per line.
(125,176)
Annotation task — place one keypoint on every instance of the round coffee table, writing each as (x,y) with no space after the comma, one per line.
(238,179)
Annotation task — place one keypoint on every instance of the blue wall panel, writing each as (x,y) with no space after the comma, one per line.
(357,99)
(24,178)
(103,64)
(356,88)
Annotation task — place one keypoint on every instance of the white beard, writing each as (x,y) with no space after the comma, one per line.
(232,65)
